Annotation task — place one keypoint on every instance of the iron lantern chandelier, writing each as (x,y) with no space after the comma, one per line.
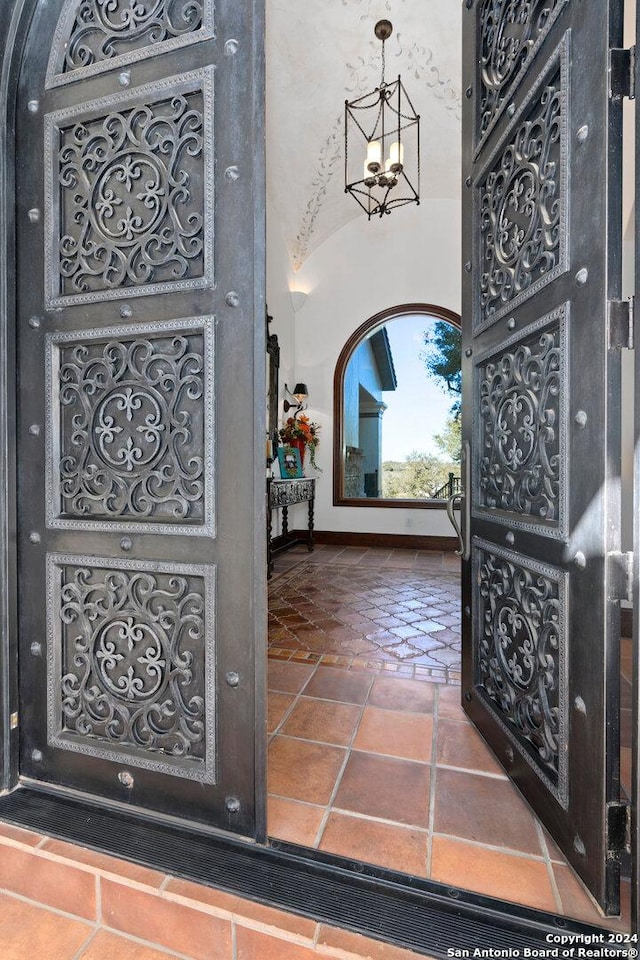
(386,172)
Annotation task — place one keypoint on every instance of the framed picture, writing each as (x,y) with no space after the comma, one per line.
(289,460)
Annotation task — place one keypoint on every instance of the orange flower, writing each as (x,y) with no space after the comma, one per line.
(301,428)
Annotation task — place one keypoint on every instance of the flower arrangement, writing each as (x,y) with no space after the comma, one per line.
(301,432)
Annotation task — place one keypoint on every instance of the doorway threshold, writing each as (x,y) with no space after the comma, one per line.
(420,915)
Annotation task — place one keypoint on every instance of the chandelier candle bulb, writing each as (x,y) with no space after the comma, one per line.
(374,156)
(396,157)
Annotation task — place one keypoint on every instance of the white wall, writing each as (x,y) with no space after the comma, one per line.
(280,280)
(411,256)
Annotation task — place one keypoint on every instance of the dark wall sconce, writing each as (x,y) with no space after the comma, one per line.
(300,394)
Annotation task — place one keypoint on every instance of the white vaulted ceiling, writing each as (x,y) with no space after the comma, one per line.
(321,53)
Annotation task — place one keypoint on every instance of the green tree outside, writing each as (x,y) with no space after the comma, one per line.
(418,477)
(449,442)
(443,360)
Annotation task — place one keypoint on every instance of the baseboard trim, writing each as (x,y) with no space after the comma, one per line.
(391,541)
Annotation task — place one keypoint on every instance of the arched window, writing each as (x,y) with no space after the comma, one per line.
(396,410)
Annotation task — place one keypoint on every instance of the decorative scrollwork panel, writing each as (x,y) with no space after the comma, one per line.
(520,472)
(521,201)
(521,663)
(511,32)
(127,178)
(97,35)
(131,663)
(288,492)
(131,428)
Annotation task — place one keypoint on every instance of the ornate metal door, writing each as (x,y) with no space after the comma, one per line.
(542,237)
(140,355)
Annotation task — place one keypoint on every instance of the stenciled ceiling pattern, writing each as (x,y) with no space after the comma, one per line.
(319,55)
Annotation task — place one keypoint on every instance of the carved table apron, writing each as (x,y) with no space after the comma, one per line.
(281,494)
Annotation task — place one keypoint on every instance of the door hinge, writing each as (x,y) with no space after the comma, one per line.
(620,317)
(618,830)
(622,73)
(621,576)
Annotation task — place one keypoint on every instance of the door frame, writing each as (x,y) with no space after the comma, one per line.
(417,914)
(14,23)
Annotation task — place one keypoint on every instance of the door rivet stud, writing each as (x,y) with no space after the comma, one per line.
(580,561)
(36,756)
(468,182)
(232,299)
(232,174)
(510,538)
(233,678)
(468,93)
(581,419)
(126,779)
(579,846)
(467,611)
(582,276)
(125,311)
(509,754)
(511,109)
(36,648)
(468,696)
(467,266)
(468,352)
(34,429)
(126,544)
(580,705)
(33,106)
(124,78)
(232,804)
(231,47)
(34,536)
(33,214)
(583,133)
(34,322)
(511,323)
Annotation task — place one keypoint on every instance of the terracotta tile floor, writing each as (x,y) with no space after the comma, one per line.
(370,754)
(33,932)
(392,611)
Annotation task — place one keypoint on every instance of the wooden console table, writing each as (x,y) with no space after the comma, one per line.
(282,494)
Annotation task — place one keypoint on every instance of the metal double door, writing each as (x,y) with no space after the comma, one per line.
(543,328)
(140,278)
